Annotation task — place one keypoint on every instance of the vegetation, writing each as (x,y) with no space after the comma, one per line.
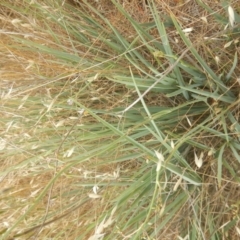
(120,119)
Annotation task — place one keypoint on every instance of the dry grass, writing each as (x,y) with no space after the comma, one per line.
(45,182)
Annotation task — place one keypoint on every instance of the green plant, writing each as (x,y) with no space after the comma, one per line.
(125,136)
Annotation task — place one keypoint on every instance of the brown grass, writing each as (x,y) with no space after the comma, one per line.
(24,72)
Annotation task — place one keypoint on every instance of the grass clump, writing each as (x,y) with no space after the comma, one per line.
(120,120)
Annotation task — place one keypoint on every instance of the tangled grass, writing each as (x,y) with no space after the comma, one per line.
(119,119)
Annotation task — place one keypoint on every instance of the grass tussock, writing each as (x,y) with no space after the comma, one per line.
(119,119)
